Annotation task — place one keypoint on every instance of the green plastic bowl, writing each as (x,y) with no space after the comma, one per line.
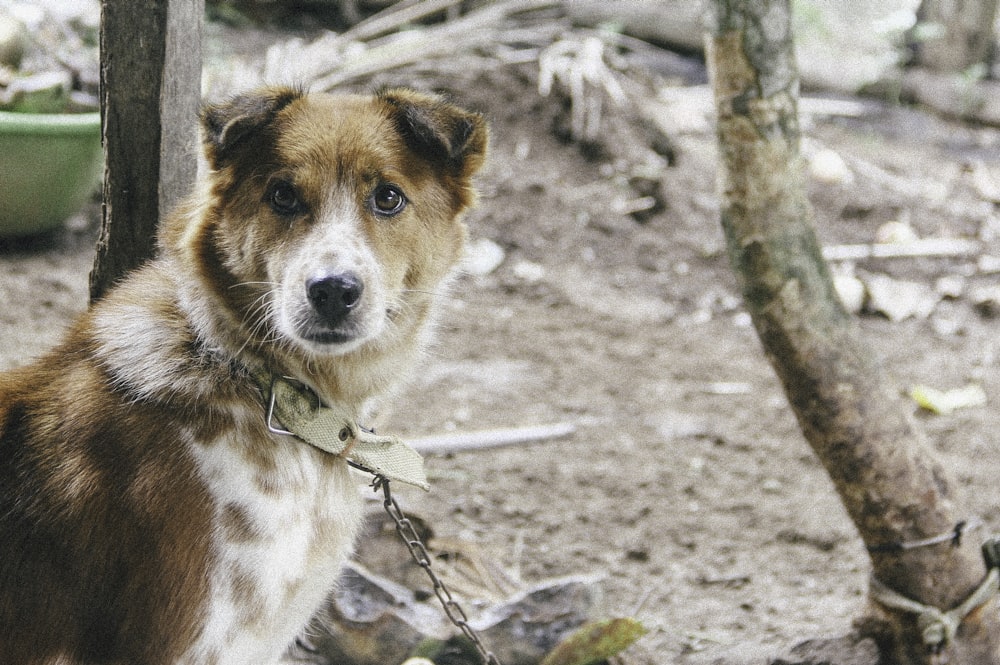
(50,163)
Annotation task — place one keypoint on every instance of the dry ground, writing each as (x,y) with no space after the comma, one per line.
(687,484)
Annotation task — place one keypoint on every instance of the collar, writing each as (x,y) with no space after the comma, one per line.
(302,414)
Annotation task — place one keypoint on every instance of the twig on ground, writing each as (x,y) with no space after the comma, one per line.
(495,438)
(927,247)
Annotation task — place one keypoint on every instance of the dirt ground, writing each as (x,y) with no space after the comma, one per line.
(687,485)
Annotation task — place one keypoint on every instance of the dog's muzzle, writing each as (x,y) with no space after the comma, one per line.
(333,299)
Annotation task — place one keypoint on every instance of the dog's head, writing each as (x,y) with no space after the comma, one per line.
(329,220)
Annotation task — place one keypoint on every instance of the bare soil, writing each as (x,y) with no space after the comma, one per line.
(687,485)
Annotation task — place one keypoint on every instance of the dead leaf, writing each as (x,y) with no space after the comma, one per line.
(943,402)
(899,299)
(595,641)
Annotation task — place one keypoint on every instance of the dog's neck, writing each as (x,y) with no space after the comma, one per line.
(142,358)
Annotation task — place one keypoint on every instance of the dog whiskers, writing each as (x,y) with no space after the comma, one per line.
(428,292)
(268,284)
(256,319)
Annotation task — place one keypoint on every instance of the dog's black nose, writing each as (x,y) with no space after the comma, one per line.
(334,296)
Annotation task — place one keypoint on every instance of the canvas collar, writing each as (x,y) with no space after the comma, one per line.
(294,409)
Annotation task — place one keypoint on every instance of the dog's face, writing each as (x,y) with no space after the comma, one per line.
(334,218)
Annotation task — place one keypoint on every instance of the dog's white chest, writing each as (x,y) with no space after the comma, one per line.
(283,528)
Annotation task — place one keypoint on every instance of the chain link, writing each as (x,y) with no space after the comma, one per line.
(406,531)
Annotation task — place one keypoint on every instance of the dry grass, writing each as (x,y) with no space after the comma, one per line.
(432,39)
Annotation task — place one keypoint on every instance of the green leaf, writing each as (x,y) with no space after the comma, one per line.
(595,641)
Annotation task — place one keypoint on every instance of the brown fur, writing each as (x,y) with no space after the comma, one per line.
(139,486)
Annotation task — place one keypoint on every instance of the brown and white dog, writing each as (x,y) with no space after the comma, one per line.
(147,514)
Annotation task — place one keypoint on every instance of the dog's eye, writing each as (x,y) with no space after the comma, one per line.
(388,200)
(283,199)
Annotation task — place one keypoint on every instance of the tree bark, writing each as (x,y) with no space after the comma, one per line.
(954,35)
(150,93)
(883,470)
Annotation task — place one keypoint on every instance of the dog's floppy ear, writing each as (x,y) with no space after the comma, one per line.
(445,135)
(226,124)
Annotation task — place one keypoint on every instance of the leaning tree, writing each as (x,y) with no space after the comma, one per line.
(931,598)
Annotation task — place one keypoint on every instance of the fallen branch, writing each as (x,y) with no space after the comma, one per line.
(382,43)
(494,438)
(929,247)
(394,17)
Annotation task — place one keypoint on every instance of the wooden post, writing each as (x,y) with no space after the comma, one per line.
(150,93)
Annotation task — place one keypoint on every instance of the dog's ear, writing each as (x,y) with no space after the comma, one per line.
(228,123)
(447,136)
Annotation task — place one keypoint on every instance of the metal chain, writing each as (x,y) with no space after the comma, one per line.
(954,537)
(406,531)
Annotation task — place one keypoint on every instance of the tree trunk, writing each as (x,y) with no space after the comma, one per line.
(954,35)
(150,92)
(882,468)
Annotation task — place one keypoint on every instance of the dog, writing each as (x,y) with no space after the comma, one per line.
(150,511)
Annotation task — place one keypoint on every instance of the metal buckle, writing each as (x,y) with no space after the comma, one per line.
(274,429)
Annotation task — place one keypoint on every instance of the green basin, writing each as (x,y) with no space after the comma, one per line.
(50,163)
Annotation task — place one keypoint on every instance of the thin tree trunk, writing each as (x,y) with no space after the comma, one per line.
(890,484)
(150,92)
(954,35)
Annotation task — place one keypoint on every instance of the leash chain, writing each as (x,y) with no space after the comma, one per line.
(954,537)
(406,531)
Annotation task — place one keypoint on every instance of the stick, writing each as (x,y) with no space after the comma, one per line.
(395,17)
(494,438)
(478,27)
(897,250)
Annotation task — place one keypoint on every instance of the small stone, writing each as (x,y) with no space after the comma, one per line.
(482,257)
(895,232)
(828,167)
(772,486)
(851,291)
(950,286)
(899,300)
(529,271)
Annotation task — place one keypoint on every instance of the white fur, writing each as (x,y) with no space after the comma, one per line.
(336,245)
(289,564)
